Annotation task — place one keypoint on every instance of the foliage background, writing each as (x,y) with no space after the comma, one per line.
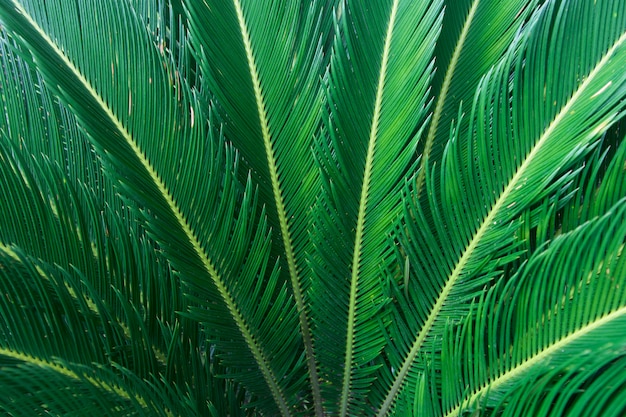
(319,208)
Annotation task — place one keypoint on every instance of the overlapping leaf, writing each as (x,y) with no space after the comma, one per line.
(388,284)
(59,308)
(377,101)
(508,161)
(61,209)
(155,140)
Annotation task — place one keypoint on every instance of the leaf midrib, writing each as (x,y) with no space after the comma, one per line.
(508,190)
(441,98)
(281,211)
(358,239)
(253,345)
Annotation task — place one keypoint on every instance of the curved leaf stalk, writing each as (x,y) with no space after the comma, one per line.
(282,215)
(61,370)
(514,183)
(208,264)
(441,99)
(358,239)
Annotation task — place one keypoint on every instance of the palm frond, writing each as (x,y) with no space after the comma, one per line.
(60,208)
(376,104)
(327,207)
(507,162)
(566,298)
(469,26)
(37,201)
(596,386)
(263,66)
(122,104)
(600,187)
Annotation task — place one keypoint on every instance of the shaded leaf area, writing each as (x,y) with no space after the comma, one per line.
(42,373)
(110,291)
(596,384)
(123,108)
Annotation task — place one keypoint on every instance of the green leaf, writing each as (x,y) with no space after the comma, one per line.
(376,104)
(264,66)
(70,216)
(259,207)
(469,26)
(565,299)
(58,307)
(506,163)
(125,96)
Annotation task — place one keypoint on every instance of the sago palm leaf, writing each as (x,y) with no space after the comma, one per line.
(468,26)
(115,104)
(566,298)
(377,107)
(340,207)
(264,65)
(58,205)
(42,372)
(512,161)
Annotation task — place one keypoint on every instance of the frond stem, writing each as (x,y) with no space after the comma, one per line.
(503,379)
(282,214)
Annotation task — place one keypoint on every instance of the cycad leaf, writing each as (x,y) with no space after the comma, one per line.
(71,216)
(264,64)
(377,102)
(531,120)
(54,308)
(595,386)
(475,36)
(563,312)
(127,94)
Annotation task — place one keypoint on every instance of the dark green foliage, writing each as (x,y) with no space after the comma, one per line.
(343,207)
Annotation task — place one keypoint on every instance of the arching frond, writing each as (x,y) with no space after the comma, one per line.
(376,103)
(506,163)
(592,387)
(566,298)
(125,92)
(60,208)
(42,373)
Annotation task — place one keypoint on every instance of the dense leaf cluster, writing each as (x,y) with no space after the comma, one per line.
(340,207)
